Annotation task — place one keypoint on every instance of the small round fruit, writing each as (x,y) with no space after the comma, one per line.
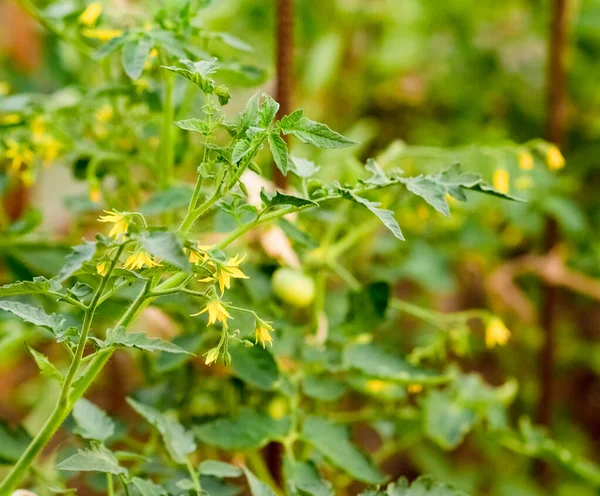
(293,287)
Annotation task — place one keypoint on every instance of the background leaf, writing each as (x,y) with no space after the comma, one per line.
(179,442)
(333,441)
(92,423)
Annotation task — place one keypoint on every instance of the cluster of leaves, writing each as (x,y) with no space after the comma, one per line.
(337,357)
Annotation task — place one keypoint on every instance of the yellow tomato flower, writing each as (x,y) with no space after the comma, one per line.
(20,155)
(496,333)
(376,386)
(104,114)
(95,195)
(554,158)
(228,271)
(102,268)
(38,129)
(11,119)
(212,356)
(262,333)
(121,223)
(90,15)
(216,311)
(501,180)
(138,260)
(101,34)
(415,388)
(525,161)
(50,149)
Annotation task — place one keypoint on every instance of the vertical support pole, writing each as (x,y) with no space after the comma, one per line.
(555,125)
(285,68)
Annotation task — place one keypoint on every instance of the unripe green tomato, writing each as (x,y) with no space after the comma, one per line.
(293,287)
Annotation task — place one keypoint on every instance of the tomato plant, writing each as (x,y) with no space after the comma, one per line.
(199,331)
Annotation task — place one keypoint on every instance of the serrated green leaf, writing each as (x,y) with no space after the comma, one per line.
(232,41)
(250,115)
(424,485)
(47,369)
(333,441)
(196,125)
(38,285)
(148,488)
(279,151)
(92,423)
(283,199)
(445,421)
(179,442)
(255,365)
(198,73)
(302,167)
(75,260)
(220,469)
(257,487)
(433,188)
(240,150)
(34,315)
(305,480)
(376,362)
(312,132)
(13,442)
(166,246)
(109,47)
(385,216)
(95,459)
(249,430)
(167,200)
(378,176)
(268,111)
(139,340)
(133,56)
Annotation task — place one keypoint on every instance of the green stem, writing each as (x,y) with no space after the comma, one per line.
(193,215)
(110,488)
(195,477)
(168,115)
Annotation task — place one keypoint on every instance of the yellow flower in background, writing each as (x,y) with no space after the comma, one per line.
(90,15)
(415,388)
(104,114)
(20,155)
(524,182)
(101,34)
(102,268)
(216,312)
(38,129)
(525,161)
(95,195)
(139,260)
(496,333)
(50,149)
(212,356)
(554,158)
(228,271)
(120,221)
(376,386)
(4,88)
(262,333)
(10,119)
(501,180)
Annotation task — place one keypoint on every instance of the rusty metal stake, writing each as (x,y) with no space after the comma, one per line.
(285,69)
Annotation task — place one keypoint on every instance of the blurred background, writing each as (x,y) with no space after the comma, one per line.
(421,84)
